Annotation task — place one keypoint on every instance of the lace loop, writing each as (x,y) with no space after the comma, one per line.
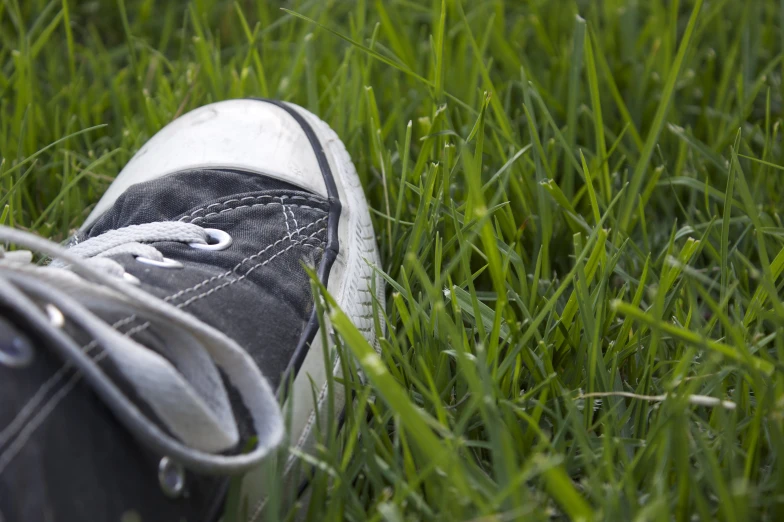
(183,386)
(132,239)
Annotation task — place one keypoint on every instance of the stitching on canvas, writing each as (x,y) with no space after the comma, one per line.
(273,200)
(239,265)
(29,428)
(254,267)
(26,431)
(205,216)
(286,219)
(18,423)
(58,376)
(294,218)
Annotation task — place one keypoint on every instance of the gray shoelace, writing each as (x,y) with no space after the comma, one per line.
(186,390)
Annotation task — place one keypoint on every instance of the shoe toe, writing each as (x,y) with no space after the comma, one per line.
(246,134)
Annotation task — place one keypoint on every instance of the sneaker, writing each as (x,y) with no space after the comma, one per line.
(146,365)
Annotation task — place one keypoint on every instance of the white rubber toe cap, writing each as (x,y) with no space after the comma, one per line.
(245,134)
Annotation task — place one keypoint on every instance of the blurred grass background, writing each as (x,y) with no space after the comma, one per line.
(578,206)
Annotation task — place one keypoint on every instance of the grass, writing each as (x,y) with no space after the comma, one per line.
(578,206)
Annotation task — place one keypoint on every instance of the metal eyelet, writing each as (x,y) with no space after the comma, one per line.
(171,477)
(56,317)
(165,263)
(16,351)
(221,240)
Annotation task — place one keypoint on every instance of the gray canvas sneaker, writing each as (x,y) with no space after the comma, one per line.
(147,363)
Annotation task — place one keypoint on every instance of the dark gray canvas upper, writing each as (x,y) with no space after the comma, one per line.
(68,458)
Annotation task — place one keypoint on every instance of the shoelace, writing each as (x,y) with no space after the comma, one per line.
(185,388)
(133,240)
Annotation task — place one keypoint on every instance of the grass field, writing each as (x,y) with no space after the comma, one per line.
(578,206)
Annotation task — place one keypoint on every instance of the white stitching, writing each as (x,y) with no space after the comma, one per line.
(60,374)
(286,219)
(254,267)
(252,198)
(13,428)
(23,436)
(145,325)
(18,423)
(193,299)
(293,217)
(226,274)
(27,431)
(205,216)
(256,198)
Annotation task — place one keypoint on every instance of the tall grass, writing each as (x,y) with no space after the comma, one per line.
(578,206)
